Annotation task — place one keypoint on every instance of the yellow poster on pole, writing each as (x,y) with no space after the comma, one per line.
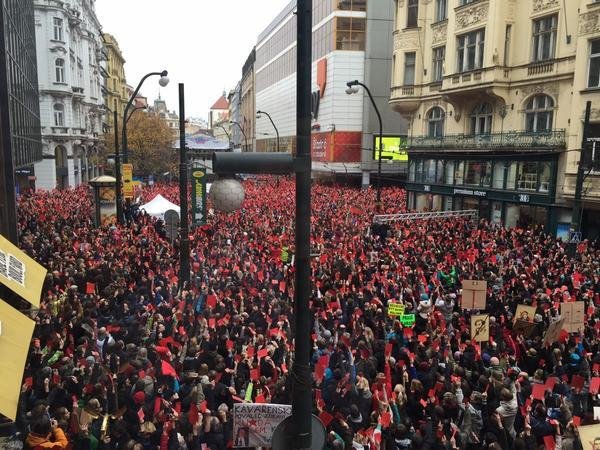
(20,273)
(14,345)
(127,173)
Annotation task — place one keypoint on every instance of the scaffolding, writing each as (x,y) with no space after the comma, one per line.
(386,218)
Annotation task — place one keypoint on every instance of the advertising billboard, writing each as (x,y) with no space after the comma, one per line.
(395,148)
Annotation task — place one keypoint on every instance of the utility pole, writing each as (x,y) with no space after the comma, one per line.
(184,234)
(118,187)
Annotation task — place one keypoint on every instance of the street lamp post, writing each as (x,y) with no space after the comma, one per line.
(258,113)
(352,89)
(226,133)
(137,108)
(233,122)
(164,80)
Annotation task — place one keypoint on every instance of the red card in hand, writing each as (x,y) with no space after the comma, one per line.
(250,352)
(439,386)
(326,418)
(595,385)
(212,323)
(141,414)
(254,374)
(408,332)
(423,403)
(550,382)
(260,399)
(388,349)
(319,372)
(211,301)
(284,368)
(385,419)
(431,393)
(577,382)
(324,361)
(230,344)
(538,391)
(203,407)
(263,352)
(28,382)
(577,421)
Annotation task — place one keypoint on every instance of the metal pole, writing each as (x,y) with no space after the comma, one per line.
(243,133)
(226,133)
(301,374)
(119,191)
(576,217)
(378,201)
(271,120)
(184,238)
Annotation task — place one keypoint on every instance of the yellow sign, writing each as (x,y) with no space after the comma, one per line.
(198,174)
(127,173)
(395,148)
(14,345)
(524,312)
(20,273)
(396,309)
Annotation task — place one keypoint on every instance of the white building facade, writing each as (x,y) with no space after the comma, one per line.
(72,78)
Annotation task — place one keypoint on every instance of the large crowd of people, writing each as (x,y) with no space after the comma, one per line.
(122,357)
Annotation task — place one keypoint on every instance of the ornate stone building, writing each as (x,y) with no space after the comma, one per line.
(72,77)
(494,92)
(116,84)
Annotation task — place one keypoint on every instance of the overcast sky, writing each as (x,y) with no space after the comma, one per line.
(202,43)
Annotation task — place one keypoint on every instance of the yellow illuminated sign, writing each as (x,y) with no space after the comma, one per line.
(14,346)
(395,148)
(20,273)
(127,173)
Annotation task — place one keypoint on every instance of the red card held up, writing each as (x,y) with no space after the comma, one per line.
(230,344)
(431,393)
(284,368)
(439,386)
(423,403)
(259,399)
(594,385)
(388,349)
(211,301)
(254,374)
(385,419)
(538,391)
(141,414)
(324,361)
(319,372)
(576,421)
(577,382)
(551,382)
(212,322)
(262,352)
(408,332)
(549,443)
(326,418)
(250,352)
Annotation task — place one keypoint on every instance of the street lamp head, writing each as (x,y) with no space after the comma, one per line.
(352,83)
(164,73)
(164,80)
(259,114)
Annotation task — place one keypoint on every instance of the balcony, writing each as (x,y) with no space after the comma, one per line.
(78,92)
(60,130)
(515,141)
(541,68)
(405,99)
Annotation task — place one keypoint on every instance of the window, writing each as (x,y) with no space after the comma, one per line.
(499,175)
(439,55)
(470,51)
(538,114)
(441,10)
(429,171)
(594,75)
(350,33)
(544,38)
(412,20)
(481,119)
(507,37)
(59,65)
(466,2)
(435,122)
(409,68)
(58,29)
(351,5)
(59,115)
(473,173)
(527,177)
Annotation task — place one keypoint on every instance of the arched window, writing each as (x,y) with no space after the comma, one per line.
(481,119)
(435,122)
(59,115)
(59,66)
(539,113)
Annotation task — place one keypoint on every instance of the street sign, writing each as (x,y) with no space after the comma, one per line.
(199,196)
(171,223)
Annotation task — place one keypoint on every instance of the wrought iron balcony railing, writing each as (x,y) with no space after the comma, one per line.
(521,140)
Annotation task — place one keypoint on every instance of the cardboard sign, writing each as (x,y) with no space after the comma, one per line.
(474,294)
(525,313)
(554,331)
(574,315)
(254,423)
(480,328)
(407,320)
(590,436)
(396,309)
(524,328)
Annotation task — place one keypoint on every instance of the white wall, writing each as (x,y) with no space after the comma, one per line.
(45,174)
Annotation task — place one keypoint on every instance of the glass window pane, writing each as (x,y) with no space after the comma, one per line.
(458,174)
(498,182)
(512,176)
(545,176)
(449,177)
(594,78)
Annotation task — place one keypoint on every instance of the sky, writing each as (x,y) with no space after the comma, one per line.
(202,43)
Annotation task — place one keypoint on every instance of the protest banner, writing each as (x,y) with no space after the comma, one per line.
(407,320)
(480,328)
(523,327)
(590,437)
(21,274)
(474,294)
(554,331)
(14,345)
(525,313)
(574,315)
(254,423)
(396,309)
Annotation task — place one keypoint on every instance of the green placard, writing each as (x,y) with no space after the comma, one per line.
(407,320)
(199,196)
(395,309)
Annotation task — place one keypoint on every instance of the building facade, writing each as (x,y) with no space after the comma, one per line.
(248,102)
(494,92)
(235,114)
(218,119)
(20,140)
(351,41)
(116,84)
(170,117)
(72,82)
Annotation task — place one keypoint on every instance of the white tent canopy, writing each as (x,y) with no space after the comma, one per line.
(158,206)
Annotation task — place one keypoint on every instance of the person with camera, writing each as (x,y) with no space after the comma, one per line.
(45,433)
